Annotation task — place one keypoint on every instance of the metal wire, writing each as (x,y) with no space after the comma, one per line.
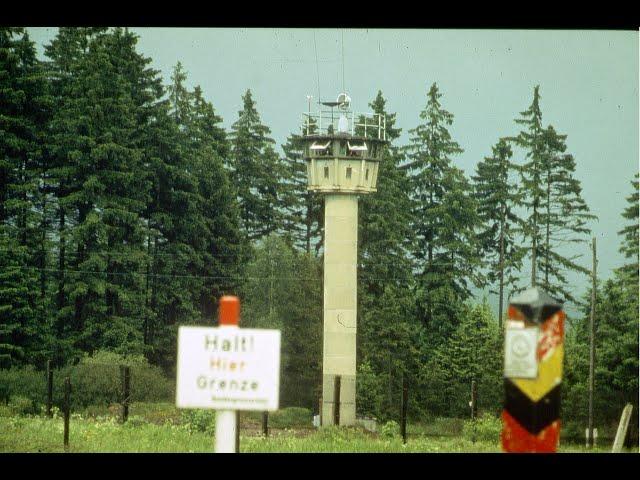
(315,46)
(343,87)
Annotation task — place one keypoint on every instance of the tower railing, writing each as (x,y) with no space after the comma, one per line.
(326,122)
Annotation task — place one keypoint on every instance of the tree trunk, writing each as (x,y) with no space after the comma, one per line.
(548,223)
(61,265)
(535,243)
(145,326)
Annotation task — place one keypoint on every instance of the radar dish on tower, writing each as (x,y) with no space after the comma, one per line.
(343,102)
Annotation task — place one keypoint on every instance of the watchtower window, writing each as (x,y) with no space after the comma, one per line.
(320,150)
(326,172)
(366,174)
(357,150)
(348,172)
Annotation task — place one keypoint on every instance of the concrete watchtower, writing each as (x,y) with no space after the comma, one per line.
(342,150)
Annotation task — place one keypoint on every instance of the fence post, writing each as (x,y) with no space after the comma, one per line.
(265,424)
(67,411)
(336,400)
(125,378)
(405,401)
(237,431)
(320,406)
(622,429)
(49,388)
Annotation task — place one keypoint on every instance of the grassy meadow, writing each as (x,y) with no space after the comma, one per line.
(163,428)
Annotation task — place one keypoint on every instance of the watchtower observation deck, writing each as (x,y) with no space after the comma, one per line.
(343,148)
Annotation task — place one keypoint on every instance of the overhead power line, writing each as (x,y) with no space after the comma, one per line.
(315,46)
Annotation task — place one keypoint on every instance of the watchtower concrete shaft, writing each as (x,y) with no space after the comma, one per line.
(343,150)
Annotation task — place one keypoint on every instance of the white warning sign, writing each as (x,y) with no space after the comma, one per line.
(228,368)
(520,360)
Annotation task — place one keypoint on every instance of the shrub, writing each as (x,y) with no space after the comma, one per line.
(198,420)
(91,384)
(23,382)
(291,417)
(369,390)
(572,431)
(96,380)
(149,384)
(390,429)
(23,406)
(487,427)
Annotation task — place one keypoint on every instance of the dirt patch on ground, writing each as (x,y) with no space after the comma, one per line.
(253,431)
(250,431)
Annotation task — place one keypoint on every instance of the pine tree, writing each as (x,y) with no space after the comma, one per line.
(384,269)
(153,135)
(470,353)
(531,139)
(94,138)
(616,343)
(19,326)
(565,215)
(179,97)
(498,199)
(629,245)
(194,241)
(444,219)
(284,291)
(177,232)
(304,209)
(553,196)
(256,172)
(24,110)
(65,53)
(225,249)
(384,230)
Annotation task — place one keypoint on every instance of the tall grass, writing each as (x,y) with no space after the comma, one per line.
(163,428)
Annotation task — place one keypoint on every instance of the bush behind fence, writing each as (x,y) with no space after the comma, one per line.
(94,381)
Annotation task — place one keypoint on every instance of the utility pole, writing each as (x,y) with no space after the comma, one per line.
(592,347)
(270,282)
(474,408)
(501,270)
(533,263)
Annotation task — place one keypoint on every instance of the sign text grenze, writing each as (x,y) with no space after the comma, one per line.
(228,368)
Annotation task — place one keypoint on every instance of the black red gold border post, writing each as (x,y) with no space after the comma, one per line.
(532,383)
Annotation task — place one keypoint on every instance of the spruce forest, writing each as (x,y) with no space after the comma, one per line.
(127,210)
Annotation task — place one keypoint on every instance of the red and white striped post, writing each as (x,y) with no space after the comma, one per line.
(225,441)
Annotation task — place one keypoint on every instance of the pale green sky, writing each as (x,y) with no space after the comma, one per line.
(588,84)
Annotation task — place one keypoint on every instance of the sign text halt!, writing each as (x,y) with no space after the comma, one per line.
(228,368)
